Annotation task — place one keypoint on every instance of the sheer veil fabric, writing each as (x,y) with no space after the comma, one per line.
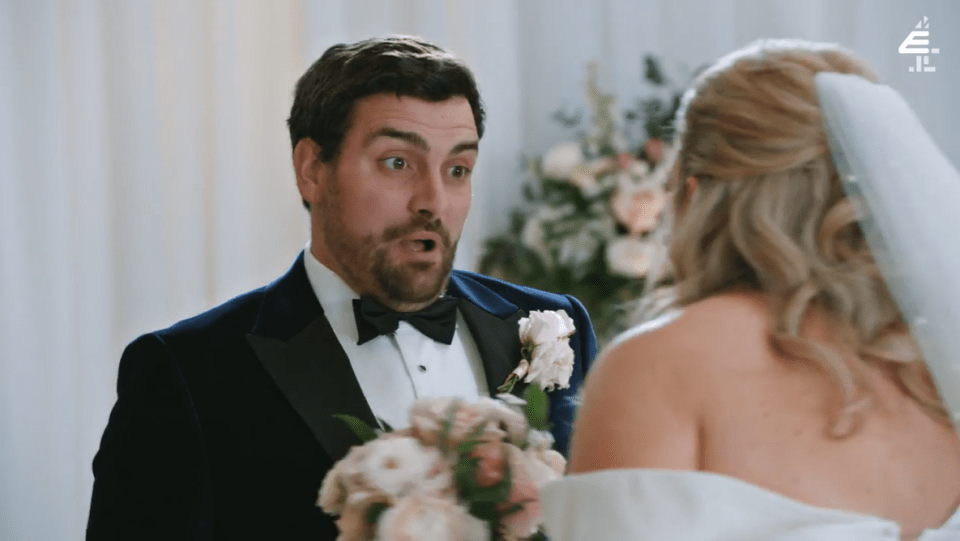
(910,194)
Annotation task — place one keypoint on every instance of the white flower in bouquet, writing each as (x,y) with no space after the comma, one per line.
(353,521)
(544,467)
(630,256)
(491,414)
(561,159)
(424,516)
(396,466)
(540,440)
(546,464)
(344,479)
(427,417)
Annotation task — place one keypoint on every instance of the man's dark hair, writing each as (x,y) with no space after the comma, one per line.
(402,65)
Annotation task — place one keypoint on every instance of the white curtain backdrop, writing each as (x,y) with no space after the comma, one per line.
(144,162)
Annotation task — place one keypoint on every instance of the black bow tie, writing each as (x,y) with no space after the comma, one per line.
(437,321)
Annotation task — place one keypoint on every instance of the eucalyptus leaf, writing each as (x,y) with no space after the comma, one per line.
(363,431)
(375,511)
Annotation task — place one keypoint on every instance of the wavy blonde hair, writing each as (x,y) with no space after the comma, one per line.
(770,214)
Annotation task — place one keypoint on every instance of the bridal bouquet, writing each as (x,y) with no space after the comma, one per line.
(462,471)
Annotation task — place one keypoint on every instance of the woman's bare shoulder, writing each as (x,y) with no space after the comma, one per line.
(723,323)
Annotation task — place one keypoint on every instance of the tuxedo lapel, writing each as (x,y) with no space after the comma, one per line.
(309,367)
(498,341)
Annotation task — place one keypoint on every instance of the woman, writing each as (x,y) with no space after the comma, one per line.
(788,399)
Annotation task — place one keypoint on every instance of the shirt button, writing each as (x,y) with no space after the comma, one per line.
(422,368)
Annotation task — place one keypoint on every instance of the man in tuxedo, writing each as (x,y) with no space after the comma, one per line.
(223,426)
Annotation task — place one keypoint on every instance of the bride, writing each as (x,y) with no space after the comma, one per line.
(791,398)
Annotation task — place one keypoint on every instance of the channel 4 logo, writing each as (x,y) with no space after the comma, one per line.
(917,43)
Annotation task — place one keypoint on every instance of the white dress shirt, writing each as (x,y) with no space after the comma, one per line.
(394,370)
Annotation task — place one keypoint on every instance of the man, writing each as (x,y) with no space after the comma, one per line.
(223,426)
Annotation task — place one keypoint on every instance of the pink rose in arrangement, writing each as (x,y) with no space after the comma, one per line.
(638,209)
(524,497)
(462,471)
(654,149)
(491,465)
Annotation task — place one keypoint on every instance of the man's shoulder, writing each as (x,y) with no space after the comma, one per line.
(238,313)
(498,293)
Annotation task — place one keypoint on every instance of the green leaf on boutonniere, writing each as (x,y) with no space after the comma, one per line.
(363,431)
(537,407)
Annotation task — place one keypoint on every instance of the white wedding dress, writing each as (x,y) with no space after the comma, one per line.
(669,505)
(911,194)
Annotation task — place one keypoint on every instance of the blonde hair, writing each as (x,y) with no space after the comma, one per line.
(769,214)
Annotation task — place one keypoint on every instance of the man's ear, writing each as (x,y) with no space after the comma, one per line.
(692,184)
(310,170)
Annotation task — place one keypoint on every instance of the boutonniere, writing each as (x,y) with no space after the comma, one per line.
(546,355)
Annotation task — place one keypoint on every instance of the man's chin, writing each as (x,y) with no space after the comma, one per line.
(414,286)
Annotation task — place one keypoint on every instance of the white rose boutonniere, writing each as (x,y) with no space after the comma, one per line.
(546,355)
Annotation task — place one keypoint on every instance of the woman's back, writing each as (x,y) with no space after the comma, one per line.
(769,416)
(739,408)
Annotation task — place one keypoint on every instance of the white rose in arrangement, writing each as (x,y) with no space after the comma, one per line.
(630,256)
(344,479)
(638,168)
(427,416)
(559,161)
(551,365)
(422,516)
(544,467)
(545,326)
(533,237)
(396,466)
(540,440)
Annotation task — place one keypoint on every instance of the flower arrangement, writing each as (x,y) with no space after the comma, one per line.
(460,472)
(589,225)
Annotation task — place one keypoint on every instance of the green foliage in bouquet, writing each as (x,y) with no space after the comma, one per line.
(588,226)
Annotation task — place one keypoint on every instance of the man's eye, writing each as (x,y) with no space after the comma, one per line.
(395,163)
(459,171)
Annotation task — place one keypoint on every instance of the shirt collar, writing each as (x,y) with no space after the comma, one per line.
(332,292)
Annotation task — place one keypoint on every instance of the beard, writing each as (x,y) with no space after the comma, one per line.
(367,261)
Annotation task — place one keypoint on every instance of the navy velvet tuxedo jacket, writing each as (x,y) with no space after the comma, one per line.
(223,424)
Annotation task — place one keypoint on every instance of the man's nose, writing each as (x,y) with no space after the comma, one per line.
(429,197)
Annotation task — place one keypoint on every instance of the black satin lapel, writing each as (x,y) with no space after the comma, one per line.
(315,375)
(498,341)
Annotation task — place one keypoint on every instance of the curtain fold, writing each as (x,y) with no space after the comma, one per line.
(145,163)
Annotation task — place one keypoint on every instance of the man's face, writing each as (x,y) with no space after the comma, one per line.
(388,212)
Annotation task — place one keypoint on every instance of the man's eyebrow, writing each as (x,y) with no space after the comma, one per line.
(413,138)
(418,141)
(465,146)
